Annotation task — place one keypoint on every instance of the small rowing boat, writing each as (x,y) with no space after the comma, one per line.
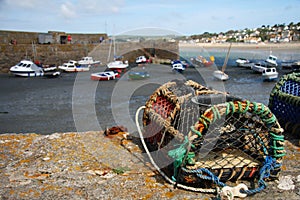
(104,76)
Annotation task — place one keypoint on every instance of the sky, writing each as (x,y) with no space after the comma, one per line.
(150,17)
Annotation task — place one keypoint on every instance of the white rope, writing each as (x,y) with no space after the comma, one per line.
(157,168)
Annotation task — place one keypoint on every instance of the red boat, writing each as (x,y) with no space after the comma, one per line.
(104,76)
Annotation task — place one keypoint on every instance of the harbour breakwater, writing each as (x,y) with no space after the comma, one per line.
(15,46)
(59,53)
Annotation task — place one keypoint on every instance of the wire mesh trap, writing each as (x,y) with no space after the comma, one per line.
(285,103)
(203,140)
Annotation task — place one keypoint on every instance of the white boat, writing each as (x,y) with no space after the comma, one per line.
(88,61)
(72,66)
(141,60)
(244,62)
(259,67)
(117,65)
(52,74)
(271,61)
(48,68)
(270,73)
(220,74)
(104,76)
(177,66)
(27,68)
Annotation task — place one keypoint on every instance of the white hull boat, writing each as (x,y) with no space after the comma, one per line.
(220,75)
(117,65)
(243,62)
(26,68)
(104,76)
(259,67)
(270,73)
(178,66)
(271,61)
(88,61)
(72,66)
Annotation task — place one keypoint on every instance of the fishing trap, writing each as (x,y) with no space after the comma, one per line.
(205,140)
(284,102)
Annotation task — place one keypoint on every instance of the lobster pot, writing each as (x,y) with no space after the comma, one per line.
(285,103)
(202,137)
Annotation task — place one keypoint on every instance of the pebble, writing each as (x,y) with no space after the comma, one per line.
(286,183)
(46,158)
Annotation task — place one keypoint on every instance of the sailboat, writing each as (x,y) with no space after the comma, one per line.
(117,64)
(220,74)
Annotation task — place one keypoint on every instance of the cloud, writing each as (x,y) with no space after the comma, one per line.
(101,6)
(68,10)
(22,3)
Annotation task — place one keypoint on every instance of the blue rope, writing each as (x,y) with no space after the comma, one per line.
(269,165)
(210,176)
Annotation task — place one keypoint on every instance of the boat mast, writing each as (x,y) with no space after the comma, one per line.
(226,59)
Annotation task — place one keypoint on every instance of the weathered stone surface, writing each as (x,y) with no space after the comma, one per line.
(91,165)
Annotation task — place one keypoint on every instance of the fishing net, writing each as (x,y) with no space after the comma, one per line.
(285,103)
(211,138)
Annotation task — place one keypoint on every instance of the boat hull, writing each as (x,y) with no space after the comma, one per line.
(52,74)
(138,75)
(104,76)
(270,74)
(27,74)
(220,75)
(85,69)
(258,68)
(270,77)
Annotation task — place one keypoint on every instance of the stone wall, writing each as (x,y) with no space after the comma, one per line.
(47,54)
(60,53)
(17,37)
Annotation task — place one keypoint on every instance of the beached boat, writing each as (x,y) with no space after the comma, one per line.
(141,60)
(200,61)
(137,75)
(88,61)
(286,64)
(118,65)
(177,66)
(296,66)
(259,67)
(244,62)
(104,76)
(270,73)
(26,68)
(52,74)
(73,66)
(271,61)
(220,74)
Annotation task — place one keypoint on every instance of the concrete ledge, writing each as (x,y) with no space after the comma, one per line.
(91,165)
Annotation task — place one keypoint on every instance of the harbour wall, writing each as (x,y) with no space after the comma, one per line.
(15,46)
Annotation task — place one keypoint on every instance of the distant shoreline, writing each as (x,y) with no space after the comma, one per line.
(261,46)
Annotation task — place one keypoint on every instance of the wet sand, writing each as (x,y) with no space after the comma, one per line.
(73,102)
